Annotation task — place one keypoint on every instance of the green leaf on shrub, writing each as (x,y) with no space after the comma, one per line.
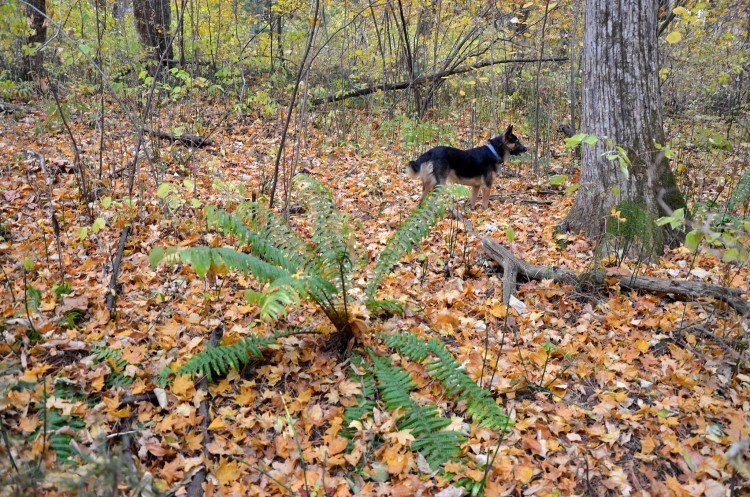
(163,190)
(558,179)
(155,256)
(693,239)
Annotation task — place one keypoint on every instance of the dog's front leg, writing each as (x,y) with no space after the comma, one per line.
(474,196)
(426,189)
(486,196)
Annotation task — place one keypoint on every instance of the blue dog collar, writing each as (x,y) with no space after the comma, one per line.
(494,152)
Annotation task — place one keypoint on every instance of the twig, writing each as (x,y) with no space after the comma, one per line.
(293,100)
(425,79)
(112,291)
(6,107)
(195,488)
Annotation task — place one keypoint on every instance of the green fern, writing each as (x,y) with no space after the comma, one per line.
(267,234)
(293,268)
(219,360)
(112,357)
(59,429)
(409,235)
(480,405)
(273,301)
(365,401)
(741,192)
(332,237)
(435,443)
(331,233)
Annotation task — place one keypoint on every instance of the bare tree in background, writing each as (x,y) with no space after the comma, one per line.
(36,11)
(152,21)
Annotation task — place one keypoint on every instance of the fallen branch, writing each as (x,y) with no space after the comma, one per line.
(114,289)
(195,488)
(188,140)
(6,107)
(528,271)
(424,79)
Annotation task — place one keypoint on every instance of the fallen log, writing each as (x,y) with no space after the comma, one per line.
(424,79)
(188,140)
(6,107)
(514,267)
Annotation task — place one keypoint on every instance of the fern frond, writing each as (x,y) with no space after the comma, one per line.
(268,235)
(435,443)
(117,365)
(272,239)
(741,192)
(411,233)
(61,429)
(480,405)
(219,360)
(273,302)
(388,306)
(331,233)
(365,402)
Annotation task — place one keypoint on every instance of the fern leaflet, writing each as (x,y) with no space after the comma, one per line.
(218,360)
(365,401)
(411,233)
(480,405)
(435,443)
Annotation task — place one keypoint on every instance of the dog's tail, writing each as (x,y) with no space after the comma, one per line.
(412,169)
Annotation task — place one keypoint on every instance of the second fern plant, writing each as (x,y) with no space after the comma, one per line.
(319,268)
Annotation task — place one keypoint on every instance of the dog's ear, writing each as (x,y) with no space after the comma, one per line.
(509,130)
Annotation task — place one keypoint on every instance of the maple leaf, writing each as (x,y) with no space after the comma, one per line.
(28,423)
(401,437)
(183,386)
(227,471)
(524,473)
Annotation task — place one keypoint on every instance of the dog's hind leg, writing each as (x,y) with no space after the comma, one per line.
(486,189)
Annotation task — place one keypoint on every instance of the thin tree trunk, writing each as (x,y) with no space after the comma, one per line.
(292,100)
(535,166)
(573,97)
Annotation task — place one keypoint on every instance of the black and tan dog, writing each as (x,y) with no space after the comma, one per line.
(476,167)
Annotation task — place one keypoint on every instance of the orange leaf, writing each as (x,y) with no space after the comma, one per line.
(337,445)
(182,385)
(227,472)
(524,473)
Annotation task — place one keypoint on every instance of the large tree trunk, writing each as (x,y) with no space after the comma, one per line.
(36,11)
(622,106)
(152,21)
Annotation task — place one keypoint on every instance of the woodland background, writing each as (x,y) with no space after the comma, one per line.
(120,123)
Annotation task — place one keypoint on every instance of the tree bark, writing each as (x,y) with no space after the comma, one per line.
(153,19)
(36,10)
(622,106)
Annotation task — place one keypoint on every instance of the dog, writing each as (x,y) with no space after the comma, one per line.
(476,167)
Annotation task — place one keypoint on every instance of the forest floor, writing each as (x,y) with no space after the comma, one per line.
(612,392)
